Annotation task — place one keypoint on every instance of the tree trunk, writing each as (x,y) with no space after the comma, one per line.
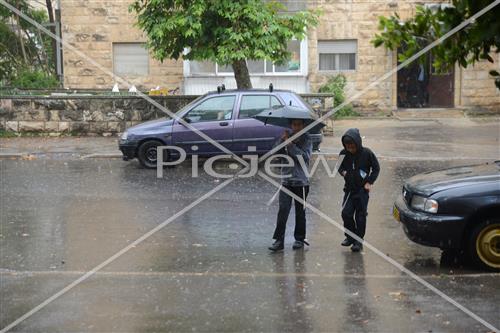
(19,33)
(50,12)
(241,75)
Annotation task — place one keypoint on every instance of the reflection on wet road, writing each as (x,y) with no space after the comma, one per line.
(210,269)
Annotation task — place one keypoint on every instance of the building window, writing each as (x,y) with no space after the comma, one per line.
(292,5)
(255,67)
(130,59)
(337,55)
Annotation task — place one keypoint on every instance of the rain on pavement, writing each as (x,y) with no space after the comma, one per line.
(210,269)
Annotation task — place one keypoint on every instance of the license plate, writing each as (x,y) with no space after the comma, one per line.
(395,213)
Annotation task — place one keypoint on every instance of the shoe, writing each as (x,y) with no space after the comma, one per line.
(278,245)
(298,245)
(357,247)
(347,242)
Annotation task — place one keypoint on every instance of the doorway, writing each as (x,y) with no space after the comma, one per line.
(419,85)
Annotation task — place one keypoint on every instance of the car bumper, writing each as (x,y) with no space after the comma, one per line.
(441,231)
(128,149)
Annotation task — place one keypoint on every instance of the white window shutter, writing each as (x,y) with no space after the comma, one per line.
(130,59)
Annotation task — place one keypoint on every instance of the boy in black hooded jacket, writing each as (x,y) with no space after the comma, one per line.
(360,169)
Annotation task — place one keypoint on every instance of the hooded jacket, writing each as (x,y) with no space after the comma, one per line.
(300,151)
(361,167)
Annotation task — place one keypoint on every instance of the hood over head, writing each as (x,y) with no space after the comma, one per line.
(353,133)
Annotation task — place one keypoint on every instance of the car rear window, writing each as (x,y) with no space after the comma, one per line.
(294,100)
(252,105)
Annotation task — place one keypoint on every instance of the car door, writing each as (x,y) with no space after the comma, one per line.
(214,117)
(252,132)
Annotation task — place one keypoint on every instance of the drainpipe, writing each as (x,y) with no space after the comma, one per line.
(57,22)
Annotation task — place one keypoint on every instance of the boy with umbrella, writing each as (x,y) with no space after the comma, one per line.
(295,177)
(296,180)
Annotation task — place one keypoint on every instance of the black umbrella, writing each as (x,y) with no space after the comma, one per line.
(281,116)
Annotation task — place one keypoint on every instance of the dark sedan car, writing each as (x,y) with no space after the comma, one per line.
(457,208)
(225,116)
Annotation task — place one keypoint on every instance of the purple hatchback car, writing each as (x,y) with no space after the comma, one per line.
(226,117)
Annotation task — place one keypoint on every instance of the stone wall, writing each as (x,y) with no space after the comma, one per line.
(92,27)
(477,87)
(96,115)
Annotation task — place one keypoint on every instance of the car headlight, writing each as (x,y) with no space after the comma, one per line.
(124,135)
(424,204)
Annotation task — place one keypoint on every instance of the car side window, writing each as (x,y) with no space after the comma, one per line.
(252,105)
(213,109)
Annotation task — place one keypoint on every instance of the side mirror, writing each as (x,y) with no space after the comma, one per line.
(186,119)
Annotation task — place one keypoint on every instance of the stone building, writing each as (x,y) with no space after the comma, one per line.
(104,30)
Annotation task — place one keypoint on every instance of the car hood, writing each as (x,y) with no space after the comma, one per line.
(151,125)
(433,182)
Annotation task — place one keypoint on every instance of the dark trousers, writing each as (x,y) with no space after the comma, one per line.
(355,212)
(285,202)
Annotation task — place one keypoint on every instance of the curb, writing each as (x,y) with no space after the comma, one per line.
(12,155)
(93,155)
(102,155)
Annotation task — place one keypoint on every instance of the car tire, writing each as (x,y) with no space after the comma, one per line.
(146,154)
(484,245)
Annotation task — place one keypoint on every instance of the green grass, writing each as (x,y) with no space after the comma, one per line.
(345,112)
(8,134)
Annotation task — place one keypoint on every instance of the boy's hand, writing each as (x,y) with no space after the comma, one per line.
(344,173)
(284,136)
(368,187)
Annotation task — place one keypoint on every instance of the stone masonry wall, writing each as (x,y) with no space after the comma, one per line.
(81,115)
(96,115)
(477,87)
(92,27)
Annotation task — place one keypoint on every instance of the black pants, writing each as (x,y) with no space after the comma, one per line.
(355,212)
(285,202)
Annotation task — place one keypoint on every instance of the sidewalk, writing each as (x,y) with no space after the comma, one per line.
(62,147)
(413,139)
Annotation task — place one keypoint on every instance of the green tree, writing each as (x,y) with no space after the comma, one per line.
(227,32)
(23,48)
(475,42)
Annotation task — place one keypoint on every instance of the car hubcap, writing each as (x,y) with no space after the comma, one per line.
(488,245)
(151,154)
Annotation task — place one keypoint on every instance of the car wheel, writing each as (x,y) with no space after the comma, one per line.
(147,154)
(484,245)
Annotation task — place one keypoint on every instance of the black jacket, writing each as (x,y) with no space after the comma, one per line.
(361,167)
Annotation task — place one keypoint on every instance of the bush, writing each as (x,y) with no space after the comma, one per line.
(34,79)
(336,85)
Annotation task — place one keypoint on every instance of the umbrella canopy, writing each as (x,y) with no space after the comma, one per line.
(281,116)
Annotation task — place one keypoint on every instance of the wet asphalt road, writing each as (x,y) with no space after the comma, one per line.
(209,270)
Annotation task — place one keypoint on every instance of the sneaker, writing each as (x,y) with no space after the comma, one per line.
(298,245)
(347,242)
(278,245)
(357,247)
